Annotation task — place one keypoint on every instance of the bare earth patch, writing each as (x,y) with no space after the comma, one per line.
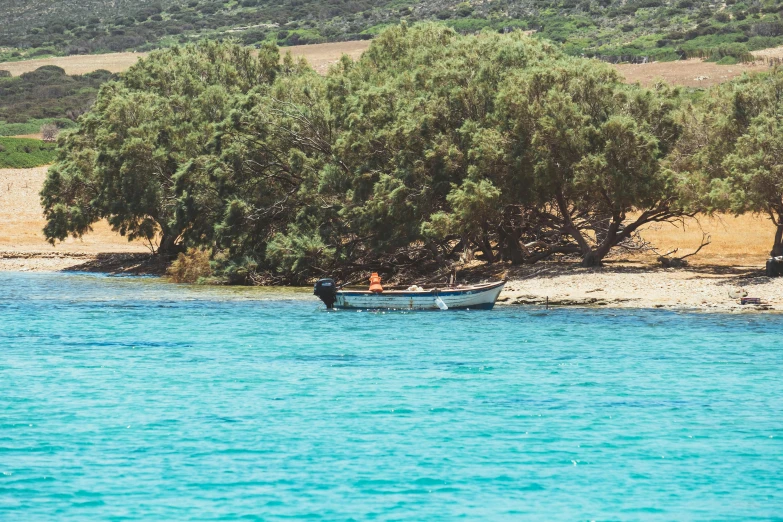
(320,56)
(77,64)
(688,73)
(736,240)
(22,243)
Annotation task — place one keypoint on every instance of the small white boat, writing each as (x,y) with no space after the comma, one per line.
(472,297)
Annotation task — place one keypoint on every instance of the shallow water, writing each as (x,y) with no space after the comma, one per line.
(127,398)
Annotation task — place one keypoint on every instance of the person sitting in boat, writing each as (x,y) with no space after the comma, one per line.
(375,283)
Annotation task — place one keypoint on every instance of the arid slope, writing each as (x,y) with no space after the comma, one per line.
(319,55)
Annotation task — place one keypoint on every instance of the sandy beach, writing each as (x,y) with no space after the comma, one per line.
(636,285)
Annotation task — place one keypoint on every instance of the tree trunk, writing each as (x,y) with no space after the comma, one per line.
(777,247)
(596,256)
(510,249)
(589,256)
(486,246)
(557,249)
(591,259)
(167,246)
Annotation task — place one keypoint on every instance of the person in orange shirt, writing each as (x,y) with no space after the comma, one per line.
(375,283)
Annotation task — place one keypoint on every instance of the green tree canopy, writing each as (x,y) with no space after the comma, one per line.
(417,113)
(431,146)
(730,157)
(121,162)
(590,147)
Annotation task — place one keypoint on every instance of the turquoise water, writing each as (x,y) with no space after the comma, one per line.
(125,398)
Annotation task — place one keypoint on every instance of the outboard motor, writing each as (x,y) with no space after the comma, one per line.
(775,266)
(326,291)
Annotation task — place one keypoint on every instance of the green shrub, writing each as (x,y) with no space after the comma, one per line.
(736,51)
(46,93)
(728,60)
(21,153)
(32,126)
(190,266)
(722,16)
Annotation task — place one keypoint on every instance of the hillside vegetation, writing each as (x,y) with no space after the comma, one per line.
(628,30)
(19,153)
(46,95)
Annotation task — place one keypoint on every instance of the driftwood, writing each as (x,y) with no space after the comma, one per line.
(678,262)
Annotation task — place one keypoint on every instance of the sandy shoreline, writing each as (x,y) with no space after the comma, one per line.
(629,285)
(131,263)
(616,285)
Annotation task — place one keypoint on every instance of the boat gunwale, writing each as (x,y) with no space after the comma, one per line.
(420,293)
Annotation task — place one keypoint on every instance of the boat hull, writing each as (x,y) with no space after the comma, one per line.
(480,297)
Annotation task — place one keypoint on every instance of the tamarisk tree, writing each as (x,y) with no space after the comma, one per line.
(254,197)
(591,148)
(427,173)
(121,162)
(429,148)
(731,155)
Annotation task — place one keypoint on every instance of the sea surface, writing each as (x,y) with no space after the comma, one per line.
(131,399)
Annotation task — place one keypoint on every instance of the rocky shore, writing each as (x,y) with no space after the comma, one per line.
(629,285)
(130,263)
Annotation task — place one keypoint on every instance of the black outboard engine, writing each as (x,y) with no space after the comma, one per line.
(775,266)
(326,291)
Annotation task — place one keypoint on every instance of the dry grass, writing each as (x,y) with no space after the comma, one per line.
(736,241)
(190,266)
(320,57)
(774,52)
(688,73)
(22,221)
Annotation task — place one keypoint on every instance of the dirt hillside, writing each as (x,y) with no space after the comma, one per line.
(690,73)
(319,55)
